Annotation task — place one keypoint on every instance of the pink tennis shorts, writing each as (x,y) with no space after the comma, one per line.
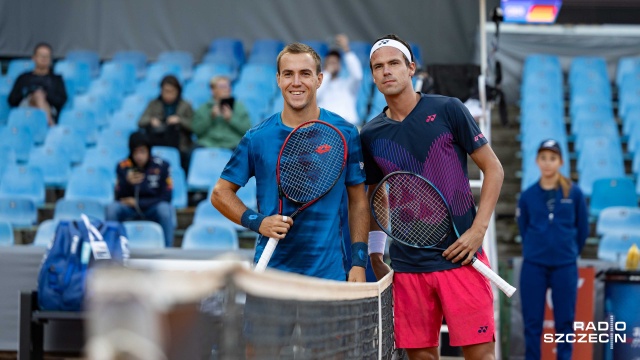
(462,295)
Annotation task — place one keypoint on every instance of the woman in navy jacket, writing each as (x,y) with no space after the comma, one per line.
(554,225)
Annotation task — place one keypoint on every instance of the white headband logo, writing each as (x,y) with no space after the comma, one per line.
(393,43)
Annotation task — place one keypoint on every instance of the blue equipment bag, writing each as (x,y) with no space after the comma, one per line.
(77,246)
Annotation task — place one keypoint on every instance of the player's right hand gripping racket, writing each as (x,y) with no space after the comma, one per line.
(310,163)
(411,210)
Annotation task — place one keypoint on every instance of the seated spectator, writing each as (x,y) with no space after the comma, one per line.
(40,88)
(167,120)
(143,188)
(340,94)
(222,121)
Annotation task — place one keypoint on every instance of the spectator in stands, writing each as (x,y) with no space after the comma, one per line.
(40,88)
(222,121)
(340,93)
(554,225)
(167,119)
(143,188)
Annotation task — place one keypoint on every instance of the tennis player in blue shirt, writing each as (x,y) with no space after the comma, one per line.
(314,245)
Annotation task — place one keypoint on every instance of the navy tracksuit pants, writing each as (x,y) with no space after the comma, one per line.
(534,281)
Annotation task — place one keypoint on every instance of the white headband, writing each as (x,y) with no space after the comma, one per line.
(393,43)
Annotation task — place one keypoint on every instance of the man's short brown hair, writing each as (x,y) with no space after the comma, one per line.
(299,48)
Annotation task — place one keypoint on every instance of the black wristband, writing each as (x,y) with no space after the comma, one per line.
(359,254)
(252,220)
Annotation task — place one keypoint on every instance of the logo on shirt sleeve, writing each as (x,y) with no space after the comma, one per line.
(478,137)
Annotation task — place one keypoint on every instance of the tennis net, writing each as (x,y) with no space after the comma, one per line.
(230,312)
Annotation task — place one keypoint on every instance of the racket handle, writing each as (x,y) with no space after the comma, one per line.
(266,255)
(495,278)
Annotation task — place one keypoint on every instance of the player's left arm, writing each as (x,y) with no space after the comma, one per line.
(469,242)
(359,227)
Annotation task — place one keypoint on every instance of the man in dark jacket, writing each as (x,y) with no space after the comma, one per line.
(144,188)
(40,88)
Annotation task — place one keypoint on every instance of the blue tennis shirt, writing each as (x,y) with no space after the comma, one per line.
(314,245)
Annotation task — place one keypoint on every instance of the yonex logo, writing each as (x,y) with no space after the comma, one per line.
(323,149)
(482,329)
(382,42)
(431,118)
(478,137)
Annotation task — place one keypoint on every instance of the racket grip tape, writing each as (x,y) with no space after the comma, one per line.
(495,278)
(267,252)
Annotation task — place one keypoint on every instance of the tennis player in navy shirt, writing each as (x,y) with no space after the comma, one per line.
(313,245)
(432,135)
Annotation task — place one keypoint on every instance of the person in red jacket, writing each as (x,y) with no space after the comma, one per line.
(144,188)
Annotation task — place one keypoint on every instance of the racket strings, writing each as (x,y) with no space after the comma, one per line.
(411,210)
(311,162)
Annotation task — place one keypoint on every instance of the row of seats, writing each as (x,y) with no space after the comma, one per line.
(618,228)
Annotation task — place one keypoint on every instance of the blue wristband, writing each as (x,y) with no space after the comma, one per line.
(252,220)
(359,254)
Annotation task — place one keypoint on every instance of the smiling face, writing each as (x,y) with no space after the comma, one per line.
(298,80)
(390,72)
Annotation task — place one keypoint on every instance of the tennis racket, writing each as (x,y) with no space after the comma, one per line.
(411,210)
(310,163)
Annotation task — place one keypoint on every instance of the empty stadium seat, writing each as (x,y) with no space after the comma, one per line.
(123,72)
(179,197)
(205,214)
(88,56)
(206,165)
(144,234)
(6,234)
(104,157)
(206,71)
(54,163)
(596,147)
(4,108)
(612,192)
(19,212)
(69,140)
(94,104)
(72,209)
(26,182)
(19,66)
(110,90)
(590,67)
(19,139)
(183,59)
(626,65)
(82,121)
(135,103)
(137,58)
(211,236)
(124,120)
(76,72)
(90,183)
(7,157)
(168,154)
(319,46)
(157,71)
(197,92)
(265,51)
(45,233)
(31,118)
(148,89)
(614,247)
(228,47)
(600,168)
(116,140)
(619,220)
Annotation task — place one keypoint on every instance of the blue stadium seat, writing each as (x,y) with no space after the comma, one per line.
(277,106)
(122,72)
(81,120)
(206,71)
(19,139)
(19,212)
(104,157)
(90,183)
(206,214)
(634,139)
(319,46)
(88,56)
(629,104)
(200,177)
(135,104)
(614,247)
(601,127)
(6,234)
(417,54)
(211,236)
(265,51)
(144,234)
(148,89)
(157,71)
(45,233)
(95,104)
(600,168)
(635,164)
(6,84)
(116,140)
(592,68)
(7,157)
(596,147)
(619,220)
(110,90)
(184,59)
(19,66)
(581,105)
(124,120)
(541,61)
(626,65)
(612,192)
(179,198)
(72,209)
(32,118)
(24,182)
(169,154)
(228,47)
(54,163)
(68,139)
(137,58)
(588,119)
(76,72)
(4,108)
(197,92)
(257,106)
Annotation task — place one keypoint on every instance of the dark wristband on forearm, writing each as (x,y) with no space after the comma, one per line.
(359,254)
(252,220)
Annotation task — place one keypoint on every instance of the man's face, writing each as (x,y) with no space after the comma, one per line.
(390,72)
(140,156)
(332,65)
(298,80)
(42,57)
(221,89)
